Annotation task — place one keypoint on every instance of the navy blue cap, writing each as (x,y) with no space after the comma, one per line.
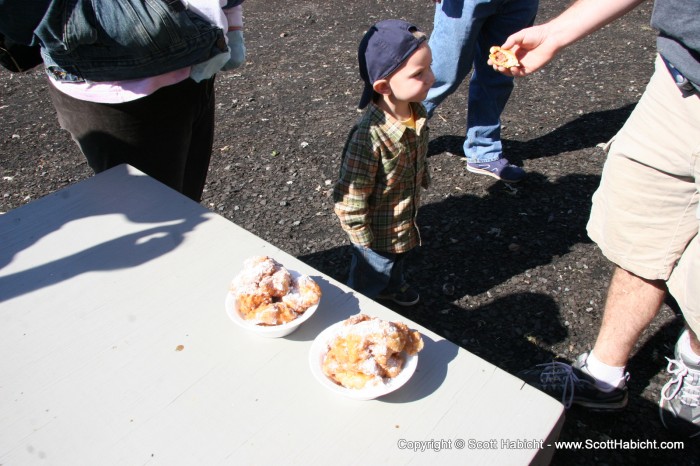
(385,46)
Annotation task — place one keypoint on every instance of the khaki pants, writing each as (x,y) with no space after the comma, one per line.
(645,213)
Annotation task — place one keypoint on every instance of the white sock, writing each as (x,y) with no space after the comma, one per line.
(607,377)
(685,349)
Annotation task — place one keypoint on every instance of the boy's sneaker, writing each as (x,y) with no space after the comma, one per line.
(499,169)
(405,296)
(679,406)
(572,384)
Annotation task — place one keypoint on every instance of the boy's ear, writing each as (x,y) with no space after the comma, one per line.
(381,86)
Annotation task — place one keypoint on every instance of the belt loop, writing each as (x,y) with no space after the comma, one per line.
(175,5)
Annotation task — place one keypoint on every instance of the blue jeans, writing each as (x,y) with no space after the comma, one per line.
(374,272)
(463,32)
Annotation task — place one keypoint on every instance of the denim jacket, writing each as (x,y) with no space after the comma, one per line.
(110,40)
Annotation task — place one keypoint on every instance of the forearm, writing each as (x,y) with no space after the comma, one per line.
(537,45)
(587,16)
(351,196)
(354,220)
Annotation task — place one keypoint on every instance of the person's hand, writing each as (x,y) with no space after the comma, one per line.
(237,46)
(533,47)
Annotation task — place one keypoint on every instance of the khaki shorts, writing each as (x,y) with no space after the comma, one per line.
(645,213)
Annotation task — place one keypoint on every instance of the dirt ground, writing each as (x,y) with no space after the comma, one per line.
(507,273)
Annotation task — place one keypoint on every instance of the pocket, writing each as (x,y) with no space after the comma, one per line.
(394,167)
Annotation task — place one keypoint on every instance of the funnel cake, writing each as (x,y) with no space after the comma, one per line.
(368,351)
(503,57)
(268,294)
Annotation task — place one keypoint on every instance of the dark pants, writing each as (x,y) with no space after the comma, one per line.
(374,273)
(168,135)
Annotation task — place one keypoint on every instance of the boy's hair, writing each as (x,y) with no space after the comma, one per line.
(384,47)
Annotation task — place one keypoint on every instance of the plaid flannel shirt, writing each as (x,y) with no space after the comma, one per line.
(378,192)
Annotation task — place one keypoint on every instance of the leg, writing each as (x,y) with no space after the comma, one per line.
(489,90)
(645,220)
(694,341)
(643,215)
(370,271)
(398,290)
(452,42)
(631,305)
(154,134)
(397,279)
(201,143)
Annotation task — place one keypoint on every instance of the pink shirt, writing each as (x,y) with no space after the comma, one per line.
(115,92)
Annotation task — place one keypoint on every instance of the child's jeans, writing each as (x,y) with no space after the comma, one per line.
(375,272)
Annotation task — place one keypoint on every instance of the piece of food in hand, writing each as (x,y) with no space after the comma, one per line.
(369,351)
(268,294)
(502,57)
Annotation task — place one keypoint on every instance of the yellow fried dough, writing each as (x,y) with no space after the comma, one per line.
(267,292)
(368,351)
(503,57)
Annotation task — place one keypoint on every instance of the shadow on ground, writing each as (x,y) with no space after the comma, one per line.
(584,132)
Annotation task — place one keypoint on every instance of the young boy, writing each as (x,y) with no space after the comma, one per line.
(384,160)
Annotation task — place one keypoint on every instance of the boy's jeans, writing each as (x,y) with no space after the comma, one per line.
(463,32)
(374,272)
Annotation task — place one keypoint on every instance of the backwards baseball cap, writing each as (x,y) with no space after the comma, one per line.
(385,46)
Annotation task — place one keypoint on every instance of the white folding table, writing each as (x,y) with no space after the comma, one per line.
(115,349)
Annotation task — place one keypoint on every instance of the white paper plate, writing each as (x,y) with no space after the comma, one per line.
(268,331)
(318,351)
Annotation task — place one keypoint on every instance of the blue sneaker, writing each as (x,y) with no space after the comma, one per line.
(499,169)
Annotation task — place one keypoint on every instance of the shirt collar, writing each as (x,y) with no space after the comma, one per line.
(393,128)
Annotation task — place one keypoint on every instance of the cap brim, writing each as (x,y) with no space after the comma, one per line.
(366,96)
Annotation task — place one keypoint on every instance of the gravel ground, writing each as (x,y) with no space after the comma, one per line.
(507,273)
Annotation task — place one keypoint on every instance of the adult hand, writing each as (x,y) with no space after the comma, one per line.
(537,45)
(534,47)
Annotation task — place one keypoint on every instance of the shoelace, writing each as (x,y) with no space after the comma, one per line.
(559,375)
(689,394)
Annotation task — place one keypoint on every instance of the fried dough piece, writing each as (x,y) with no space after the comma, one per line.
(413,342)
(275,314)
(304,293)
(278,284)
(250,302)
(503,57)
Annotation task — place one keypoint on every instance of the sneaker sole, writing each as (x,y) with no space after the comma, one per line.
(603,407)
(480,171)
(400,303)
